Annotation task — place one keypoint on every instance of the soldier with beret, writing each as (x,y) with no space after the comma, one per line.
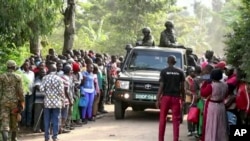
(11,101)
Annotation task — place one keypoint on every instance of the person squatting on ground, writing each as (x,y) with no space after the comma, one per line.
(11,101)
(170,95)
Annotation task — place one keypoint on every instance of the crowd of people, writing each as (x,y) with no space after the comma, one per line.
(221,93)
(214,94)
(66,91)
(69,90)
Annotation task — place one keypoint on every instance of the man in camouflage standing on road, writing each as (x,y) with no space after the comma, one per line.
(11,101)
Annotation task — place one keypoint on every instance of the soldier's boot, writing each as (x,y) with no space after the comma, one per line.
(5,135)
(14,136)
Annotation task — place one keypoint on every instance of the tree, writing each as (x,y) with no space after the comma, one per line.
(23,21)
(96,18)
(238,42)
(69,23)
(191,31)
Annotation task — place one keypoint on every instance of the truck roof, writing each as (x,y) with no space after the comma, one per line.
(167,49)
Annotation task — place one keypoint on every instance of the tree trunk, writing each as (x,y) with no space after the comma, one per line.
(69,22)
(35,45)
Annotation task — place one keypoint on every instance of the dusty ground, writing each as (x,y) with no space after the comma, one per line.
(137,126)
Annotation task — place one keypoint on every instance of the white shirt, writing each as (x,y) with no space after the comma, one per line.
(31,77)
(224,78)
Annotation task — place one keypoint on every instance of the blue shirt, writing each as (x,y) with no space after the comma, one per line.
(88,85)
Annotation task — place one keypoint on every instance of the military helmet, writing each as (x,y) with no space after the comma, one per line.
(146,30)
(169,24)
(189,50)
(11,63)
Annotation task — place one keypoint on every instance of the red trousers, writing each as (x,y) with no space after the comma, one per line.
(166,103)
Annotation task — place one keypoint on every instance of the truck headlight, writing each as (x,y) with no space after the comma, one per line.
(122,84)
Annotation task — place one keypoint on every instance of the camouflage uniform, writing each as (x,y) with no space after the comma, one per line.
(11,92)
(148,39)
(167,38)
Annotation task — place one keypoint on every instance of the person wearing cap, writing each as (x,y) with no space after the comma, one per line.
(222,66)
(11,101)
(170,94)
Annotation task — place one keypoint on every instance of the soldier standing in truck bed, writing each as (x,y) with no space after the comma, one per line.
(11,101)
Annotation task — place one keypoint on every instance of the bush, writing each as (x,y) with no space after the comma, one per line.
(17,54)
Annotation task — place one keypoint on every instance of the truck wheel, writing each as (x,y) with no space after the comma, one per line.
(119,110)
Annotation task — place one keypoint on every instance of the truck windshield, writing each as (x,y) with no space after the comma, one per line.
(151,60)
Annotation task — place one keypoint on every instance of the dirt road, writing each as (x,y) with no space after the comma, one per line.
(137,126)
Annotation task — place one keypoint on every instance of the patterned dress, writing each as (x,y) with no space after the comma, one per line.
(215,112)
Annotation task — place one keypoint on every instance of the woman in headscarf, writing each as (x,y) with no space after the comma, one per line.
(215,121)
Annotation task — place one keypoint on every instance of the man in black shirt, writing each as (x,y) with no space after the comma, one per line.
(170,94)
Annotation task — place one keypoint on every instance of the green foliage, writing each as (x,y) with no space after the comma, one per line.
(22,19)
(238,41)
(108,25)
(18,55)
(191,32)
